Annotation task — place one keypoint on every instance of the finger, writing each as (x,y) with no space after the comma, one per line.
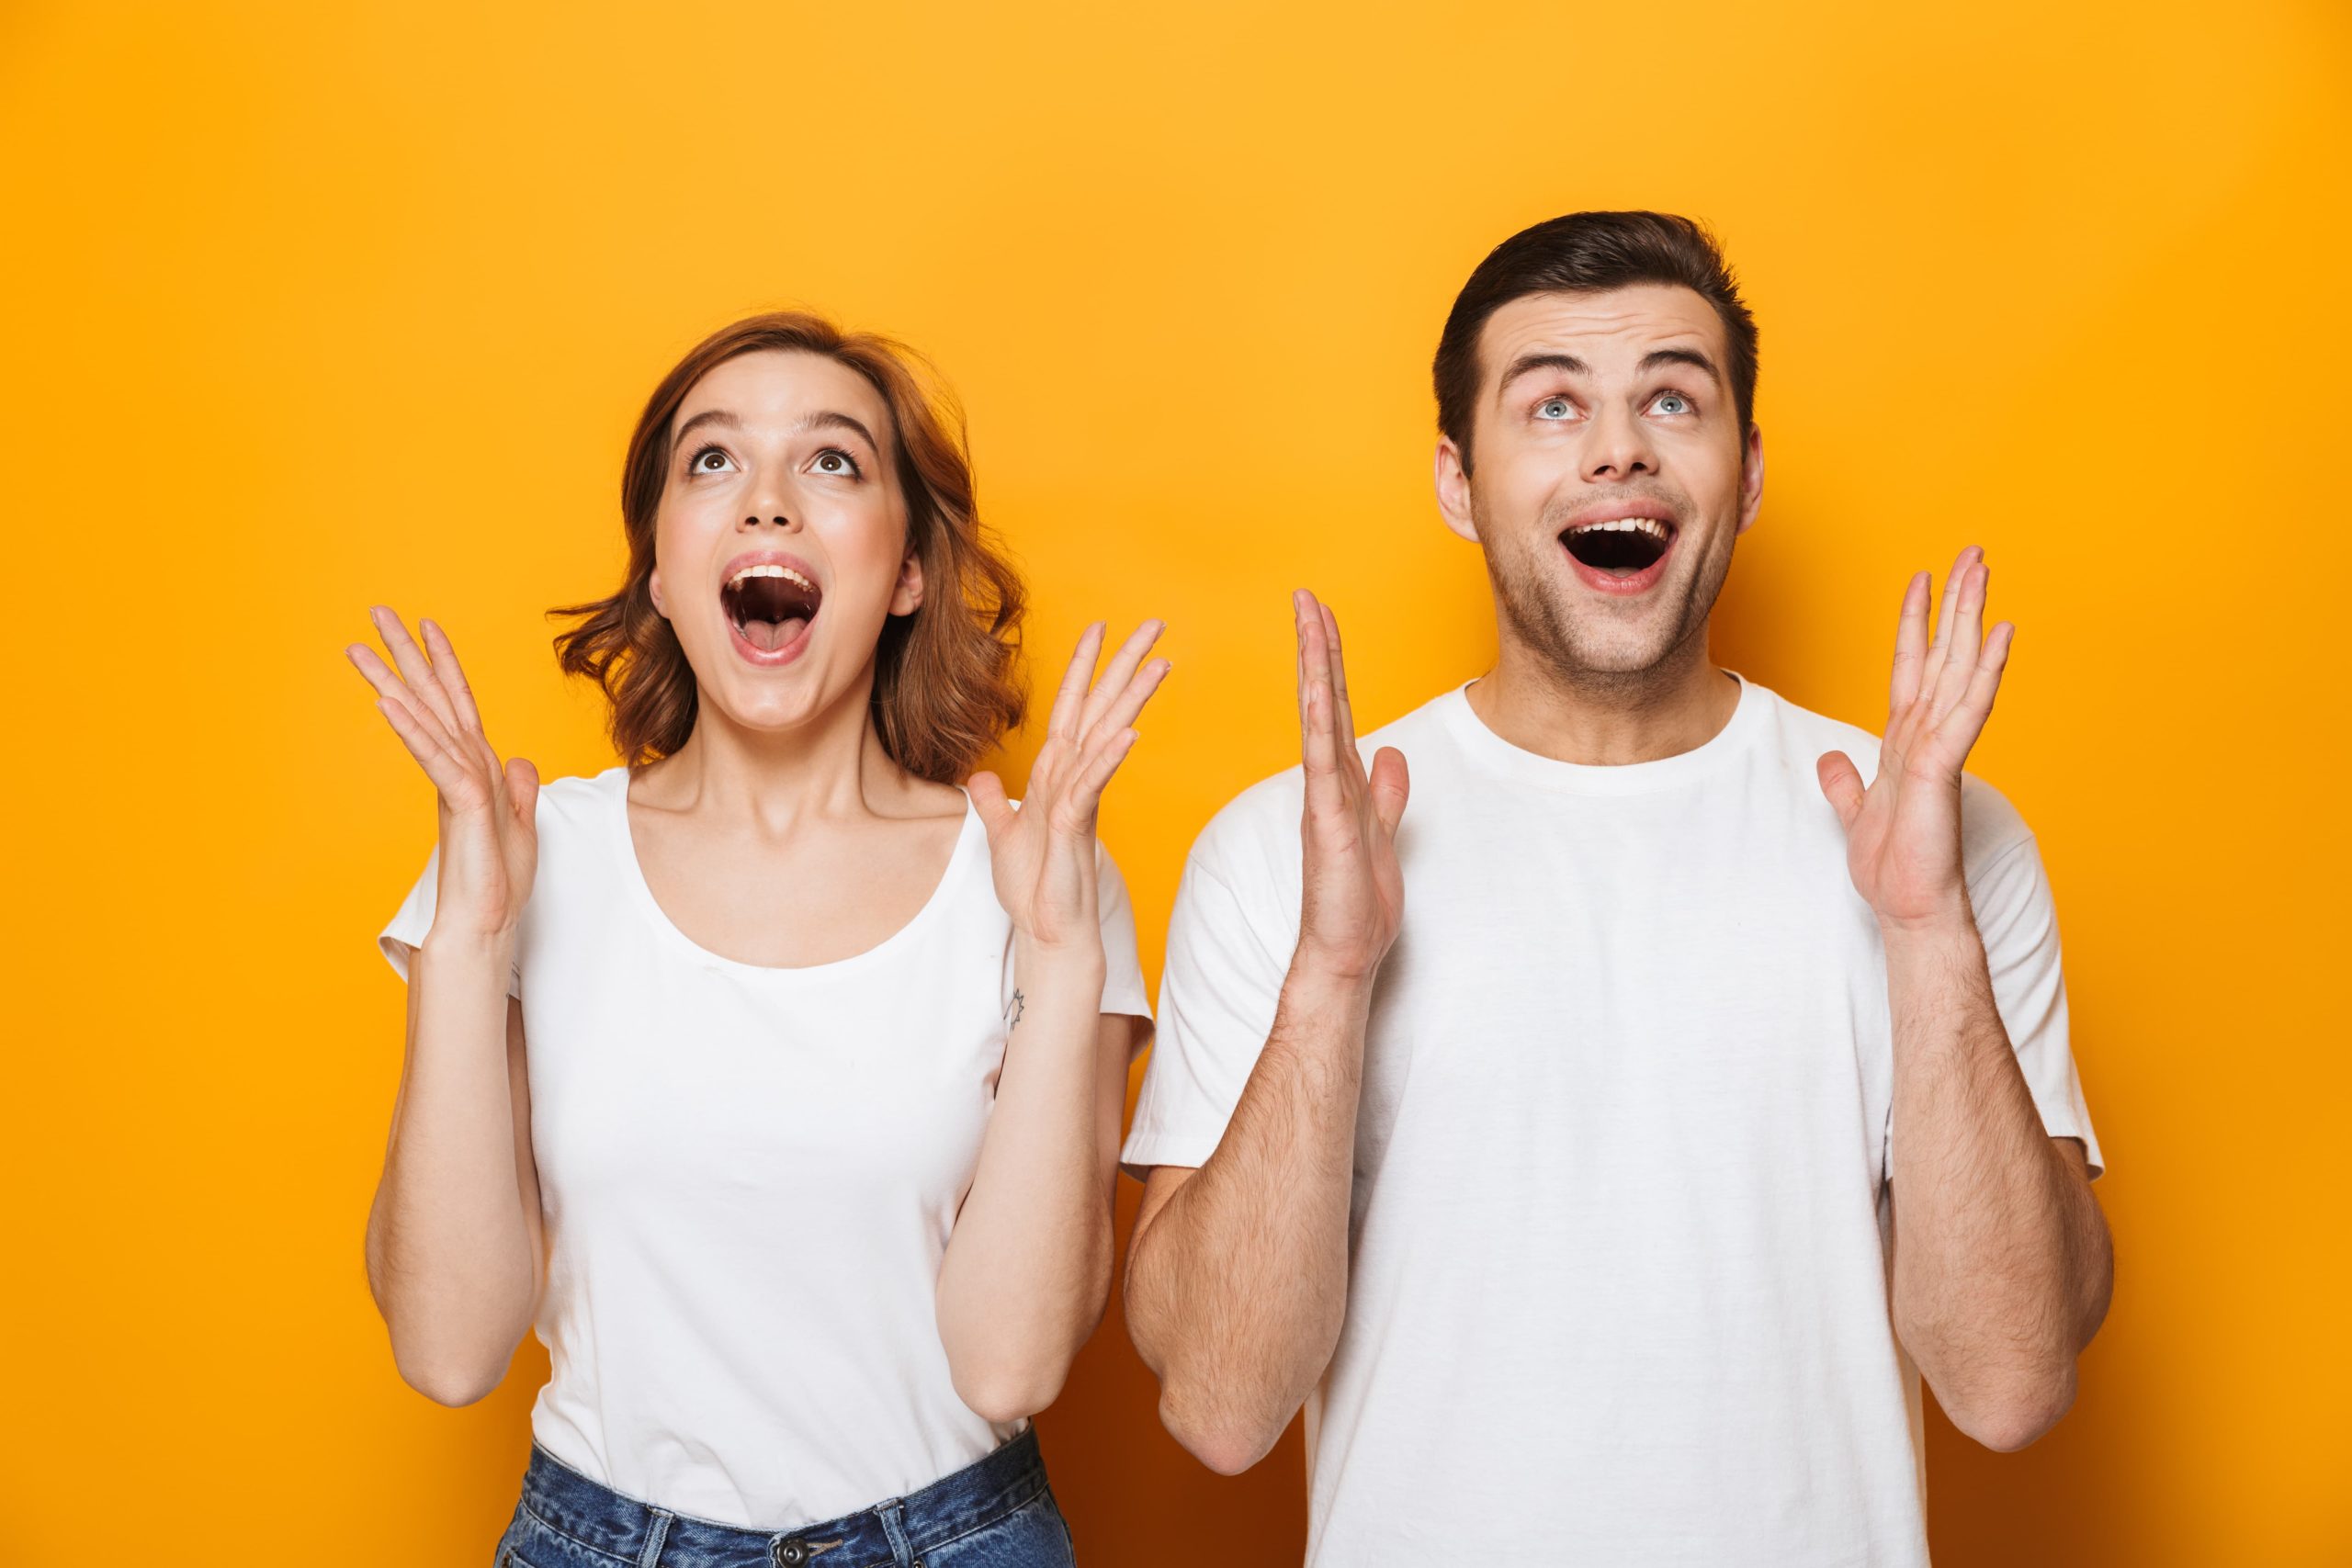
(1077,808)
(1842,783)
(1319,749)
(1390,785)
(1940,648)
(1122,669)
(1965,644)
(451,675)
(1344,715)
(1910,644)
(1299,599)
(986,791)
(391,688)
(452,779)
(1075,680)
(1967,720)
(523,790)
(1128,704)
(413,666)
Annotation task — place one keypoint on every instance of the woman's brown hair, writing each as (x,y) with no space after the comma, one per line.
(944,677)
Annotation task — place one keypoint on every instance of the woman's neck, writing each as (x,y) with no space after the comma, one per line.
(829,767)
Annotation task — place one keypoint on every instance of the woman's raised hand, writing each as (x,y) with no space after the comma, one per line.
(1042,854)
(490,841)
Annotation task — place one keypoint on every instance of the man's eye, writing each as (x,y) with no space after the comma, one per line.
(834,461)
(1673,403)
(1553,408)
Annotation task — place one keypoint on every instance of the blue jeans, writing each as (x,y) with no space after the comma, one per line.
(995,1513)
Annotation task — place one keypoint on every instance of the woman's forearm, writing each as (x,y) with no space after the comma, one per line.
(452,1255)
(1028,1266)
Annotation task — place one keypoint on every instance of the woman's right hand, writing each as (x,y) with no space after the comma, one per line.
(490,841)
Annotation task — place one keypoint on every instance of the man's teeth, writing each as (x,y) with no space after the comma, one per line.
(783,571)
(1650,525)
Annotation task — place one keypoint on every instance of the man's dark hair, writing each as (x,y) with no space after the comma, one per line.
(1584,253)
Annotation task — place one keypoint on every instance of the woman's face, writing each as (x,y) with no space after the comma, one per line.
(780,547)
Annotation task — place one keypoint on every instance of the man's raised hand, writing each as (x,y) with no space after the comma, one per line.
(1903,844)
(490,841)
(1353,898)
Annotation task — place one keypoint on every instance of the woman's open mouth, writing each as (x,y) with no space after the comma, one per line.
(1620,555)
(771,607)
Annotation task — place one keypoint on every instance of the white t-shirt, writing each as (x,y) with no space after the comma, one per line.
(1618,1280)
(749,1175)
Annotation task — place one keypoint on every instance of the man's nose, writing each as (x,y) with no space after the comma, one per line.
(1617,446)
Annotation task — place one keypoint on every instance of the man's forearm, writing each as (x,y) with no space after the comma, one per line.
(2001,1261)
(1237,1286)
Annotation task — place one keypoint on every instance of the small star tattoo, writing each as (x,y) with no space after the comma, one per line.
(1019,1006)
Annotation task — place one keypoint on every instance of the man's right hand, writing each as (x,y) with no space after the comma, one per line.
(1354,895)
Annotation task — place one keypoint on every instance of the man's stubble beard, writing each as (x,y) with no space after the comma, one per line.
(1534,608)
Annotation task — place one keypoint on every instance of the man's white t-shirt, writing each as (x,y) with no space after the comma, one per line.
(1618,1264)
(749,1175)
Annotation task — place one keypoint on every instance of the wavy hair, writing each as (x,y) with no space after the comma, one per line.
(945,678)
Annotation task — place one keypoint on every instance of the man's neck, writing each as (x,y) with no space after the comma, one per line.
(1604,719)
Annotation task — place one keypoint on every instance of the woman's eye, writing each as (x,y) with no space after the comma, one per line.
(837,463)
(1673,403)
(1552,408)
(711,460)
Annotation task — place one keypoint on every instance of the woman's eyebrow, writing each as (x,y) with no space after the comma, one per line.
(833,418)
(708,416)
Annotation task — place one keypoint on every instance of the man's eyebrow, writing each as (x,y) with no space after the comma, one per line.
(1689,356)
(708,416)
(1528,364)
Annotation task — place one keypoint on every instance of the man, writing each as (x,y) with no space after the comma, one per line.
(1603,1148)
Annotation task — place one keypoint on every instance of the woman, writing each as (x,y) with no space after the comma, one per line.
(774,1078)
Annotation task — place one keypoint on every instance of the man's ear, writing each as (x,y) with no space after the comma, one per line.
(1453,489)
(1751,478)
(906,598)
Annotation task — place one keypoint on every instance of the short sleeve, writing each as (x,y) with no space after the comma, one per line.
(1227,954)
(1123,987)
(406,931)
(2017,921)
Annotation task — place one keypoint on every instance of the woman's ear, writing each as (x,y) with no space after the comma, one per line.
(653,587)
(907,597)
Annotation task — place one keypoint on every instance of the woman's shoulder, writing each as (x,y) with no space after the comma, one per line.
(577,805)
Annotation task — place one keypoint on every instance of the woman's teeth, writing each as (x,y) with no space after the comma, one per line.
(783,571)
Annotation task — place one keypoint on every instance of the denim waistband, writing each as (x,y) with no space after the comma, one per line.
(897,1530)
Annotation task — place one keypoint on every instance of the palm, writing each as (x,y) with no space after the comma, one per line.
(490,845)
(1903,845)
(1042,855)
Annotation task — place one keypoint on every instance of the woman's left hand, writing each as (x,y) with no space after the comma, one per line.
(1043,853)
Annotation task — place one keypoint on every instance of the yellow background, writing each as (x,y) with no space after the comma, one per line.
(312,307)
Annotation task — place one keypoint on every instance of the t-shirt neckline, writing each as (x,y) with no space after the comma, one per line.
(640,893)
(1493,751)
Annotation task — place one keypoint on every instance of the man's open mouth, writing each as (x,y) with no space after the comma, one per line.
(770,605)
(1622,546)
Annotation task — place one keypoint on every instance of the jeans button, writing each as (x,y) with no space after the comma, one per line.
(790,1555)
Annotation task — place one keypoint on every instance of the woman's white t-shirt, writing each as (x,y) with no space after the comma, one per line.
(749,1175)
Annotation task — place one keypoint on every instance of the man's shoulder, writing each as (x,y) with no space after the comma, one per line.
(1253,837)
(1991,826)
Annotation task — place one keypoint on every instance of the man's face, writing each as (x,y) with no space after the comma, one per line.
(1608,474)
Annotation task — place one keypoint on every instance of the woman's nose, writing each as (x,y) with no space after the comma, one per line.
(782,520)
